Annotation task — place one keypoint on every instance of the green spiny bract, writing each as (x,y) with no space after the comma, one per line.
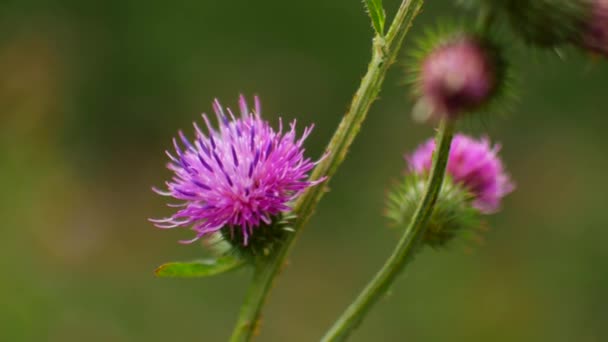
(453,214)
(267,239)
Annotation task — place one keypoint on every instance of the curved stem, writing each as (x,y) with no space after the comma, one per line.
(385,50)
(406,248)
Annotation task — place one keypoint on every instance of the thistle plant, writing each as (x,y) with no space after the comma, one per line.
(247,189)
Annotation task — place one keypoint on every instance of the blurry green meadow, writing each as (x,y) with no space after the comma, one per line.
(91,93)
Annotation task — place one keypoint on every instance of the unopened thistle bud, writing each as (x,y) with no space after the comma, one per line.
(457,74)
(475,184)
(238,180)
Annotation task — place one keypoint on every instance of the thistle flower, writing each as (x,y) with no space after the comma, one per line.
(239,177)
(595,33)
(456,73)
(474,164)
(474,185)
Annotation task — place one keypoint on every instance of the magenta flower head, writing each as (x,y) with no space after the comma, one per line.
(474,186)
(473,164)
(238,178)
(456,73)
(595,33)
(457,76)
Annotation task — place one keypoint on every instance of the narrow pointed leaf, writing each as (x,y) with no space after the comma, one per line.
(377,14)
(199,268)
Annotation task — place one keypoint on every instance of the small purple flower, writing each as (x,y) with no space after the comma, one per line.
(595,35)
(457,76)
(239,176)
(472,163)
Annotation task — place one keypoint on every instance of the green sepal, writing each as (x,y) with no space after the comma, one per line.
(453,215)
(262,240)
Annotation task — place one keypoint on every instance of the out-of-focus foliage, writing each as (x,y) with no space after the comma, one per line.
(92,91)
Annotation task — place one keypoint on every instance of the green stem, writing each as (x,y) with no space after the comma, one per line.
(385,50)
(406,248)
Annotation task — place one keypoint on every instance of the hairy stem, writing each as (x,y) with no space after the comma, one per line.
(406,248)
(385,50)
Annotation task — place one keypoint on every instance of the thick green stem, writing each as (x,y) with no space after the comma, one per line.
(385,50)
(406,248)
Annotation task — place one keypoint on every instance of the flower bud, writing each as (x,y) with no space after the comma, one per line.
(458,75)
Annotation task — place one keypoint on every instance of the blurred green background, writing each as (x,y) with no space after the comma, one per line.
(91,93)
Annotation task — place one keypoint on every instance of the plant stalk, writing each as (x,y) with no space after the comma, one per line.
(384,52)
(406,248)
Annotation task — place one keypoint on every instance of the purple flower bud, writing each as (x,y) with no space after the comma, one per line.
(457,76)
(240,176)
(595,34)
(474,164)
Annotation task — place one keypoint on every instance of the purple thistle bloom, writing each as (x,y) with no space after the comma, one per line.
(457,76)
(472,163)
(595,36)
(239,176)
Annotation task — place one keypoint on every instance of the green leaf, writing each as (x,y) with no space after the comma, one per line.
(199,268)
(377,14)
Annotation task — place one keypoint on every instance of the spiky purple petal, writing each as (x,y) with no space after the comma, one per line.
(474,164)
(238,176)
